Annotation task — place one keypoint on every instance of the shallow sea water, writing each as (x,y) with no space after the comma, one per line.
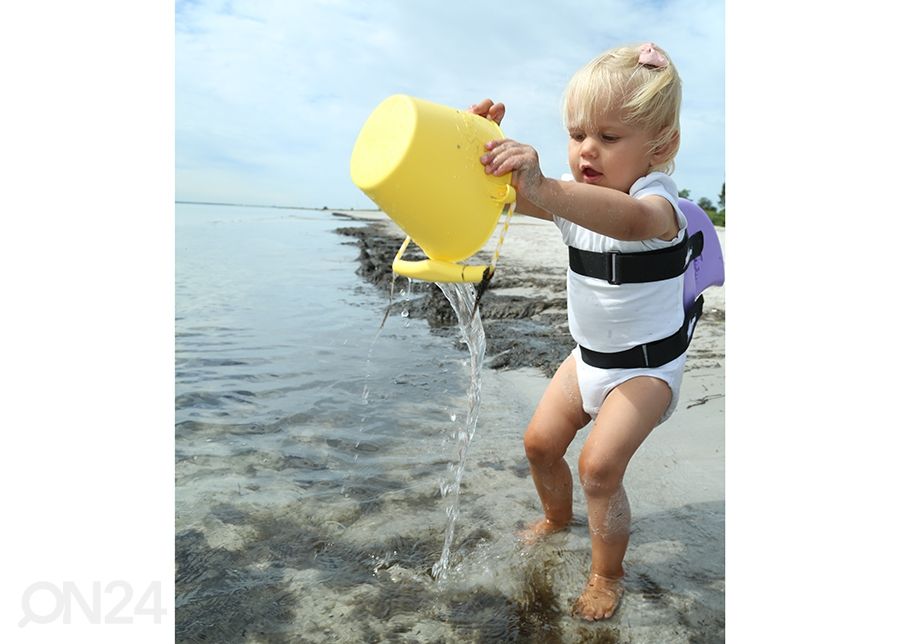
(312,448)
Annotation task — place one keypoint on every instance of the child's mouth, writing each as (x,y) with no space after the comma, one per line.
(590,173)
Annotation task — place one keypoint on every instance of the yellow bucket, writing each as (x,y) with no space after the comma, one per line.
(419,161)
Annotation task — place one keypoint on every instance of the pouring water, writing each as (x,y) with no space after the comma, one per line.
(462,298)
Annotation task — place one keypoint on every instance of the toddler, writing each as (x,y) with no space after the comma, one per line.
(621,111)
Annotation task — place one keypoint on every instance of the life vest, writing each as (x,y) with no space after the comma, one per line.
(698,256)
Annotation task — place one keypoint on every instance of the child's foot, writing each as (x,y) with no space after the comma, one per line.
(540,529)
(600,598)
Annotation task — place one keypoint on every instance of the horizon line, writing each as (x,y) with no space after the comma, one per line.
(257,205)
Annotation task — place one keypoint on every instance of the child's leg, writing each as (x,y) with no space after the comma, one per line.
(555,422)
(626,418)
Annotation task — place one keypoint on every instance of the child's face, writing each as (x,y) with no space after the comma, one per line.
(609,153)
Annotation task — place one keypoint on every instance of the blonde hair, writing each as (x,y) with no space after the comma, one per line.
(648,97)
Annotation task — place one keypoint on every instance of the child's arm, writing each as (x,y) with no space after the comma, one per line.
(526,207)
(603,210)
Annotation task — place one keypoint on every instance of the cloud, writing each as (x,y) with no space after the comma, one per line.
(273,93)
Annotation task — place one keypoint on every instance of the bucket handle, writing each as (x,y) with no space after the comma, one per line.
(435,270)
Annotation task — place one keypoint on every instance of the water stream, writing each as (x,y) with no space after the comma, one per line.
(462,299)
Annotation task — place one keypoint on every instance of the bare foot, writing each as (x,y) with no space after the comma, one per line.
(540,529)
(600,598)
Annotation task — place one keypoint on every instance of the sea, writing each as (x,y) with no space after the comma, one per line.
(328,487)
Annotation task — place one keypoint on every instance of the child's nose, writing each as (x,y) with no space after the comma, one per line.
(589,147)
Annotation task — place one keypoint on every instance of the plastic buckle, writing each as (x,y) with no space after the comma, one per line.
(612,271)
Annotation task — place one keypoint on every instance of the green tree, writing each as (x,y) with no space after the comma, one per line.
(717,216)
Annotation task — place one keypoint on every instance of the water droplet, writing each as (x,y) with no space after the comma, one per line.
(404,313)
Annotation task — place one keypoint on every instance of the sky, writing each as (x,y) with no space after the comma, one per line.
(271,94)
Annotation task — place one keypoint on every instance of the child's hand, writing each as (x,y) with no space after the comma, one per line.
(520,159)
(489,110)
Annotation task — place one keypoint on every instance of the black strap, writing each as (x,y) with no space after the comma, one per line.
(635,268)
(652,354)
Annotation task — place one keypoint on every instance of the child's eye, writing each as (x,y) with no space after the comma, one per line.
(576,136)
(609,138)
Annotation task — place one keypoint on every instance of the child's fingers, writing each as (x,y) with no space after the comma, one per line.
(497,144)
(496,112)
(506,165)
(506,160)
(505,156)
(493,157)
(489,109)
(493,149)
(482,108)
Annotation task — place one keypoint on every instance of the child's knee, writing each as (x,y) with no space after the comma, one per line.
(599,475)
(540,448)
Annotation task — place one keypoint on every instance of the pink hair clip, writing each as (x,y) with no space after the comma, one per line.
(650,57)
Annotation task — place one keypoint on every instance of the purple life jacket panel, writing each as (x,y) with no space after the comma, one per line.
(708,268)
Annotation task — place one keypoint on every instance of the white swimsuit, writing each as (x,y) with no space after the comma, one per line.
(595,384)
(608,317)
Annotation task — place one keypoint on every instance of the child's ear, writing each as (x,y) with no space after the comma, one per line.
(666,152)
